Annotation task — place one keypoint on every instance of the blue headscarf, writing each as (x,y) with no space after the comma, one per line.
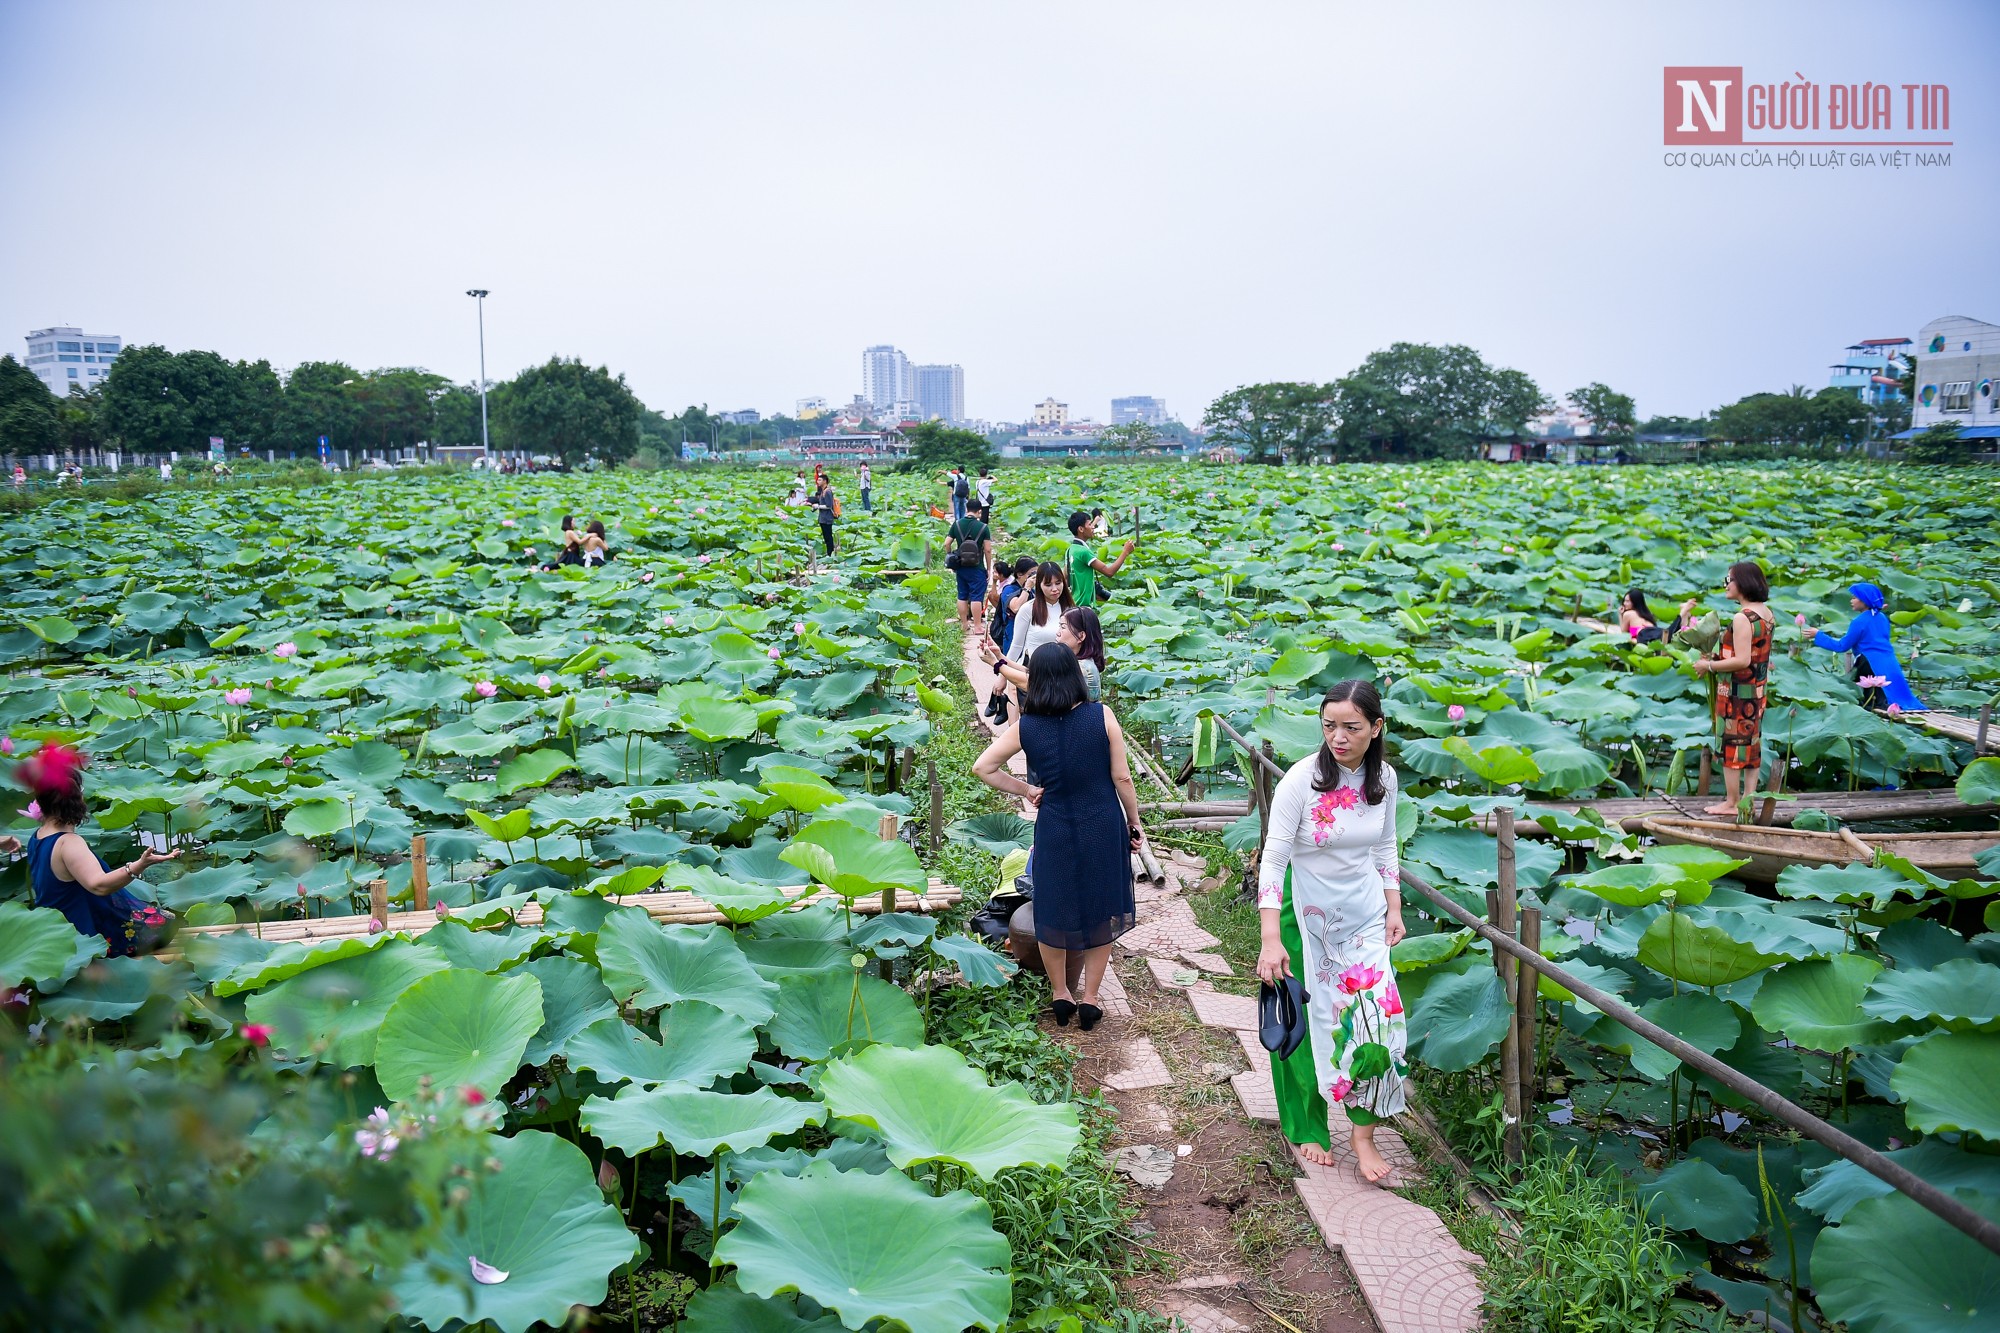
(1868,595)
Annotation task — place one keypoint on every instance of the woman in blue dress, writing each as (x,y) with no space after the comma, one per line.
(63,871)
(1875,665)
(1086,824)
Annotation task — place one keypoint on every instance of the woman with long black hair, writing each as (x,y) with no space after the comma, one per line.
(1330,897)
(1080,632)
(1086,824)
(64,872)
(1040,621)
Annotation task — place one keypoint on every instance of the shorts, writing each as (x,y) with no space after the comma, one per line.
(971,584)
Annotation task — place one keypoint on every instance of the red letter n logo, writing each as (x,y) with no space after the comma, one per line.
(1704,104)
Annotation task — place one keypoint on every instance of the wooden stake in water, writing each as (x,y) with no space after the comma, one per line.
(1527,1009)
(420,876)
(378,901)
(935,832)
(885,829)
(1504,905)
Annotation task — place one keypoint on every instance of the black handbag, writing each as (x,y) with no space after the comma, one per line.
(1281,1016)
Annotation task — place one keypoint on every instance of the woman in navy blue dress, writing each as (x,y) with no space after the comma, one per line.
(1086,823)
(64,873)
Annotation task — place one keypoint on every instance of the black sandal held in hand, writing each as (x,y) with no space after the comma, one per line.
(1088,1016)
(1062,1010)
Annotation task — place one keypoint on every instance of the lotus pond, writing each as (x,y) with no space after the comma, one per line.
(290,685)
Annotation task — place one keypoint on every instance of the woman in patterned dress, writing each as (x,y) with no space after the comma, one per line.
(1330,896)
(1741,663)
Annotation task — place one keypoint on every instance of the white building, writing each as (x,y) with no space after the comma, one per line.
(1957,361)
(808,408)
(1139,408)
(1049,412)
(940,393)
(67,358)
(885,376)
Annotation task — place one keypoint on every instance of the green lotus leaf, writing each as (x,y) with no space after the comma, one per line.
(38,946)
(724,1309)
(1817,1004)
(1692,1195)
(542,1221)
(334,1011)
(468,738)
(819,1013)
(1968,887)
(1893,1266)
(1961,994)
(995,834)
(1296,665)
(1836,1187)
(976,963)
(1702,863)
(293,957)
(651,965)
(510,827)
(1497,764)
(842,1239)
(1979,782)
(1639,885)
(639,1119)
(1458,1018)
(840,689)
(1607,979)
(715,720)
(738,902)
(319,818)
(1872,886)
(1700,955)
(1951,1082)
(929,1105)
(457,1029)
(852,862)
(532,768)
(699,1044)
(114,988)
(1470,858)
(52,629)
(800,789)
(481,950)
(890,934)
(365,764)
(573,997)
(1701,1020)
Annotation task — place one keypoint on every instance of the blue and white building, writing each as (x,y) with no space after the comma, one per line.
(1958,360)
(1870,369)
(67,358)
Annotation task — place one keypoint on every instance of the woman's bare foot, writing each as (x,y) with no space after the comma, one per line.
(1374,1167)
(1719,809)
(1314,1154)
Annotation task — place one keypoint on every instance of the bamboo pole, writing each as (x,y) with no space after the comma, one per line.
(1773,1104)
(420,876)
(1527,1009)
(1503,902)
(1979,737)
(935,832)
(885,829)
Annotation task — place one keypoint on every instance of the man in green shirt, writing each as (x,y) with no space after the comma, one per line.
(1084,566)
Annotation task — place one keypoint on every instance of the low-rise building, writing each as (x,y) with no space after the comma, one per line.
(1869,370)
(64,357)
(1139,408)
(1957,361)
(1049,412)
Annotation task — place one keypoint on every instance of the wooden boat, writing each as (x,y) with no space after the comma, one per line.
(1770,850)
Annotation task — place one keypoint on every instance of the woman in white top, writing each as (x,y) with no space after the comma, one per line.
(1040,621)
(1330,898)
(1080,632)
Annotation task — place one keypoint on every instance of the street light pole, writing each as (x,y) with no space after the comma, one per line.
(478,294)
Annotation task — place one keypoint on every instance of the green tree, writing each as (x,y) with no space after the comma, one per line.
(158,400)
(1134,437)
(1611,413)
(1414,400)
(1684,428)
(566,408)
(934,446)
(1938,444)
(455,416)
(397,406)
(1514,400)
(79,419)
(1270,422)
(28,418)
(317,401)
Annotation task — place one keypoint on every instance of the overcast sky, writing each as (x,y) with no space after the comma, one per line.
(727,202)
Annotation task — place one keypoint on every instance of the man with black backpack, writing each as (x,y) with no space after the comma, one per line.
(961,492)
(968,553)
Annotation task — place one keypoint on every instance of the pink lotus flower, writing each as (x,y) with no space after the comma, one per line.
(1360,977)
(287,649)
(646,577)
(131,693)
(652,509)
(1800,620)
(1339,546)
(667,621)
(543,681)
(1456,712)
(701,509)
(531,552)
(604,673)
(1508,550)
(704,557)
(1873,682)
(375,927)
(486,689)
(34,810)
(6,745)
(473,1096)
(302,890)
(286,761)
(1392,1003)
(772,654)
(506,522)
(1344,798)
(257,1034)
(1895,710)
(443,910)
(798,627)
(1340,1088)
(236,698)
